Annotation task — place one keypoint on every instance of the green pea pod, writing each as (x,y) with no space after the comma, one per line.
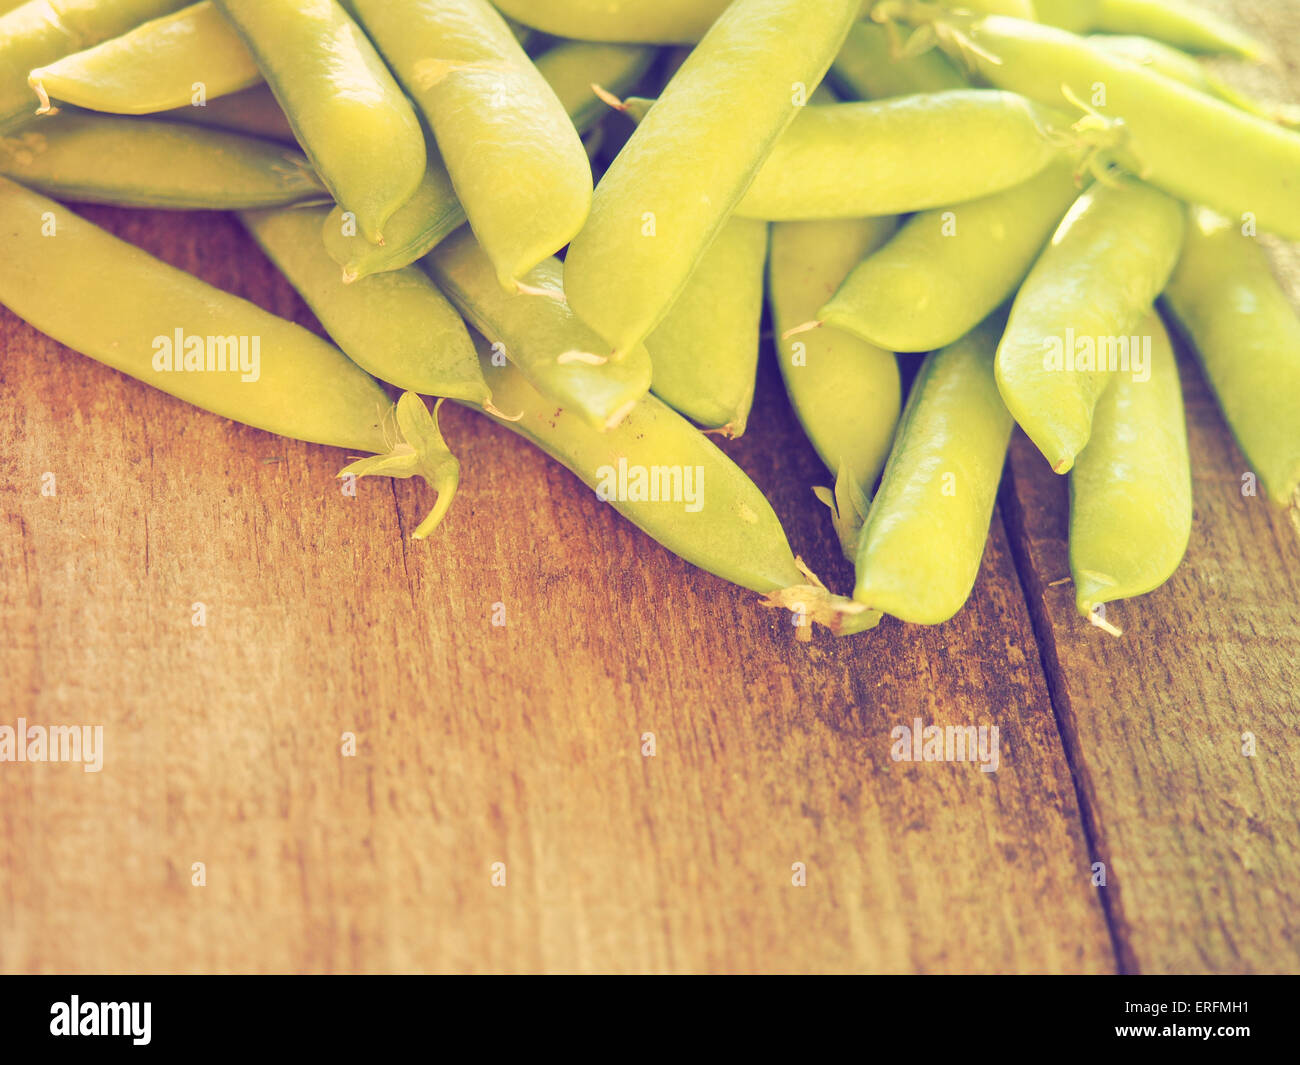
(159,65)
(919,552)
(207,347)
(253,111)
(434,211)
(949,269)
(1071,323)
(705,351)
(1171,21)
(871,66)
(668,193)
(397,326)
(1131,491)
(41,31)
(1196,148)
(908,153)
(142,162)
(844,391)
(346,110)
(1169,61)
(672,482)
(1247,336)
(641,21)
(515,160)
(538,333)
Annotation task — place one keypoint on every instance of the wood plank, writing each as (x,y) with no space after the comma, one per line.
(478,744)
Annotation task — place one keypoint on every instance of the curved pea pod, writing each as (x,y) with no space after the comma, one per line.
(907,153)
(642,21)
(142,162)
(919,552)
(1247,337)
(434,211)
(1192,146)
(39,32)
(253,111)
(672,482)
(350,116)
(536,330)
(845,392)
(705,352)
(1169,61)
(1070,325)
(114,303)
(1131,490)
(397,326)
(515,160)
(869,68)
(949,269)
(159,65)
(668,193)
(1171,21)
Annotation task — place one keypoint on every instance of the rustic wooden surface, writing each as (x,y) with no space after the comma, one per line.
(522,744)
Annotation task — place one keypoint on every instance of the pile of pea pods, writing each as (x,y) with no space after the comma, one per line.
(575,216)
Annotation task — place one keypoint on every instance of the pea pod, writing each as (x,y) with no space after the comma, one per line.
(907,153)
(142,162)
(1247,336)
(844,391)
(1071,323)
(1171,21)
(1169,61)
(207,347)
(949,269)
(434,211)
(1194,147)
(705,352)
(514,158)
(919,552)
(642,21)
(868,67)
(538,332)
(40,31)
(1131,491)
(672,482)
(159,65)
(253,111)
(346,110)
(396,326)
(666,196)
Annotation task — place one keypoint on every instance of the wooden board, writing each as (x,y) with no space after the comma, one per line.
(522,744)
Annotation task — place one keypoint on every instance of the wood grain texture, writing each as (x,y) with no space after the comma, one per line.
(478,744)
(522,744)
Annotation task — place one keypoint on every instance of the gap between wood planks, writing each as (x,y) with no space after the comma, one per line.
(1032,585)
